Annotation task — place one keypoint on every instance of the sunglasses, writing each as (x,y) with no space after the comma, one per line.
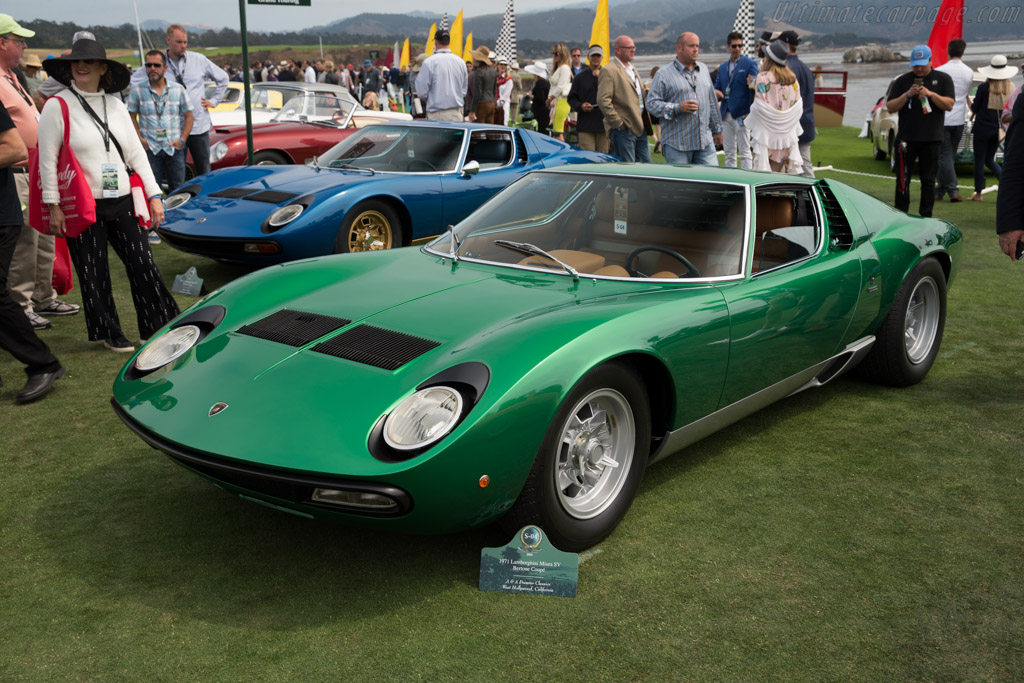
(152,65)
(737,45)
(16,39)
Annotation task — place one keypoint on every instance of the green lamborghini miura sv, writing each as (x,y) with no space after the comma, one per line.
(528,365)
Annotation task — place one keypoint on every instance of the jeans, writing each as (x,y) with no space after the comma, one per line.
(736,142)
(168,168)
(927,155)
(629,147)
(697,157)
(947,174)
(199,145)
(985,155)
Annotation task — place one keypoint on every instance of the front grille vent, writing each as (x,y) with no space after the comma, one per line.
(271,196)
(377,347)
(293,328)
(232,192)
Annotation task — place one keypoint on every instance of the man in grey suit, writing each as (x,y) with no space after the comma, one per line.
(620,96)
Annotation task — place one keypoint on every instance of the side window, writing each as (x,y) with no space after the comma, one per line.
(788,227)
(490,149)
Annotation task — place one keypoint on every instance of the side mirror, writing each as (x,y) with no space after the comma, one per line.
(470,168)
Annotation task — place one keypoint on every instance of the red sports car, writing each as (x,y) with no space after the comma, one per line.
(305,127)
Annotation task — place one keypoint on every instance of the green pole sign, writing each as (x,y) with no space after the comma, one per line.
(295,3)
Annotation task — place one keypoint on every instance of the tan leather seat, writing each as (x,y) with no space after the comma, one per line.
(772,213)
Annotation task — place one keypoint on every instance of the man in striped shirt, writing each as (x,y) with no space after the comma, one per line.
(683,97)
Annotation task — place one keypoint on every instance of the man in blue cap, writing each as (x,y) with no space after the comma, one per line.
(922,96)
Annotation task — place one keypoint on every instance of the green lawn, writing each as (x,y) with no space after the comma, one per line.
(849,533)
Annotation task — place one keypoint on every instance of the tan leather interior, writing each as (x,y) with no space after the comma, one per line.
(582,261)
(772,213)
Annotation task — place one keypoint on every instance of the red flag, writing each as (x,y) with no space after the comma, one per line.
(949,25)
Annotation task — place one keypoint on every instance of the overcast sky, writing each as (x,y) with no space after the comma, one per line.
(258,17)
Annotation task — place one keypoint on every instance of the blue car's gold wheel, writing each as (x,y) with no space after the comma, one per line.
(369,226)
(591,462)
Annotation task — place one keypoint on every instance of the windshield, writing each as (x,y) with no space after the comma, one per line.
(609,226)
(316,107)
(399,149)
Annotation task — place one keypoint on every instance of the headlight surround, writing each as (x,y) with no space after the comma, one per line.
(169,346)
(218,151)
(176,200)
(423,419)
(285,215)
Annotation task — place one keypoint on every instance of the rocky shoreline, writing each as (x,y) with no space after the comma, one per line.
(872,52)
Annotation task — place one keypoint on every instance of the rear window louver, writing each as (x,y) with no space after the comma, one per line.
(376,346)
(271,196)
(839,227)
(294,328)
(521,155)
(233,193)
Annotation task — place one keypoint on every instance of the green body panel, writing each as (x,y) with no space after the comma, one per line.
(705,345)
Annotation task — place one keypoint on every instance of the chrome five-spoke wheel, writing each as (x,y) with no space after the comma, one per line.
(922,320)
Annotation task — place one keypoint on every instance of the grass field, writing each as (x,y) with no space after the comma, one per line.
(849,533)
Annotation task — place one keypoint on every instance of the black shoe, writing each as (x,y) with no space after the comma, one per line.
(119,344)
(38,385)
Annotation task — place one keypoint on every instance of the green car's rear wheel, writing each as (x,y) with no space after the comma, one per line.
(908,341)
(591,462)
(370,226)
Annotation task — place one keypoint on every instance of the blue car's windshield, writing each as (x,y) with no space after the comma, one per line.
(400,149)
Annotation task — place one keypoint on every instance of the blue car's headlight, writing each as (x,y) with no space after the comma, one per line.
(423,418)
(167,347)
(176,200)
(285,215)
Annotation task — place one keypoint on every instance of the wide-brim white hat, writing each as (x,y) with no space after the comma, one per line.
(998,69)
(539,69)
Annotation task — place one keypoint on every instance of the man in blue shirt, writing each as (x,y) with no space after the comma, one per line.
(443,81)
(805,79)
(162,112)
(192,70)
(683,97)
(733,88)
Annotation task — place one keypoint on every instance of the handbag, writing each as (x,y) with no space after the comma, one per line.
(62,280)
(76,200)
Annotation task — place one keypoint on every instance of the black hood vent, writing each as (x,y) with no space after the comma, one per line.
(293,328)
(232,193)
(271,196)
(377,347)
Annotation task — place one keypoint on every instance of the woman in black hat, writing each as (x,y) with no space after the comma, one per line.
(774,119)
(105,142)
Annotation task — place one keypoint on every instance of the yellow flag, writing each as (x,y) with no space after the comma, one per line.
(430,39)
(467,54)
(599,32)
(456,33)
(404,63)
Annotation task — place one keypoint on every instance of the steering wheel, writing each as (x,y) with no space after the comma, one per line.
(691,269)
(419,162)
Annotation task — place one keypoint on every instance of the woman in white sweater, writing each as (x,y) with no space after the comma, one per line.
(561,83)
(99,123)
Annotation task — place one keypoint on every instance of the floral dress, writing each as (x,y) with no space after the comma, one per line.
(779,97)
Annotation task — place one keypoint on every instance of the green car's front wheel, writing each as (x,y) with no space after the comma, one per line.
(591,462)
(370,226)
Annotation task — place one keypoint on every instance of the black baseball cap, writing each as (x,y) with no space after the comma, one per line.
(790,38)
(443,37)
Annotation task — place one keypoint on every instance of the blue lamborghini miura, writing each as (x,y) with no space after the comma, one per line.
(385,186)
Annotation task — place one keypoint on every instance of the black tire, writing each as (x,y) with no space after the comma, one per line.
(268,158)
(574,517)
(879,154)
(908,340)
(369,226)
(892,154)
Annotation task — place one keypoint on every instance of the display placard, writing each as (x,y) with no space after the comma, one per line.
(529,564)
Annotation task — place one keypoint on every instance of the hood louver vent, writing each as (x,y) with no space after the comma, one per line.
(271,196)
(839,229)
(377,347)
(521,155)
(293,328)
(232,193)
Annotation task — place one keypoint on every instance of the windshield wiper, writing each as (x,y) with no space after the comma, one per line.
(527,248)
(351,167)
(456,244)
